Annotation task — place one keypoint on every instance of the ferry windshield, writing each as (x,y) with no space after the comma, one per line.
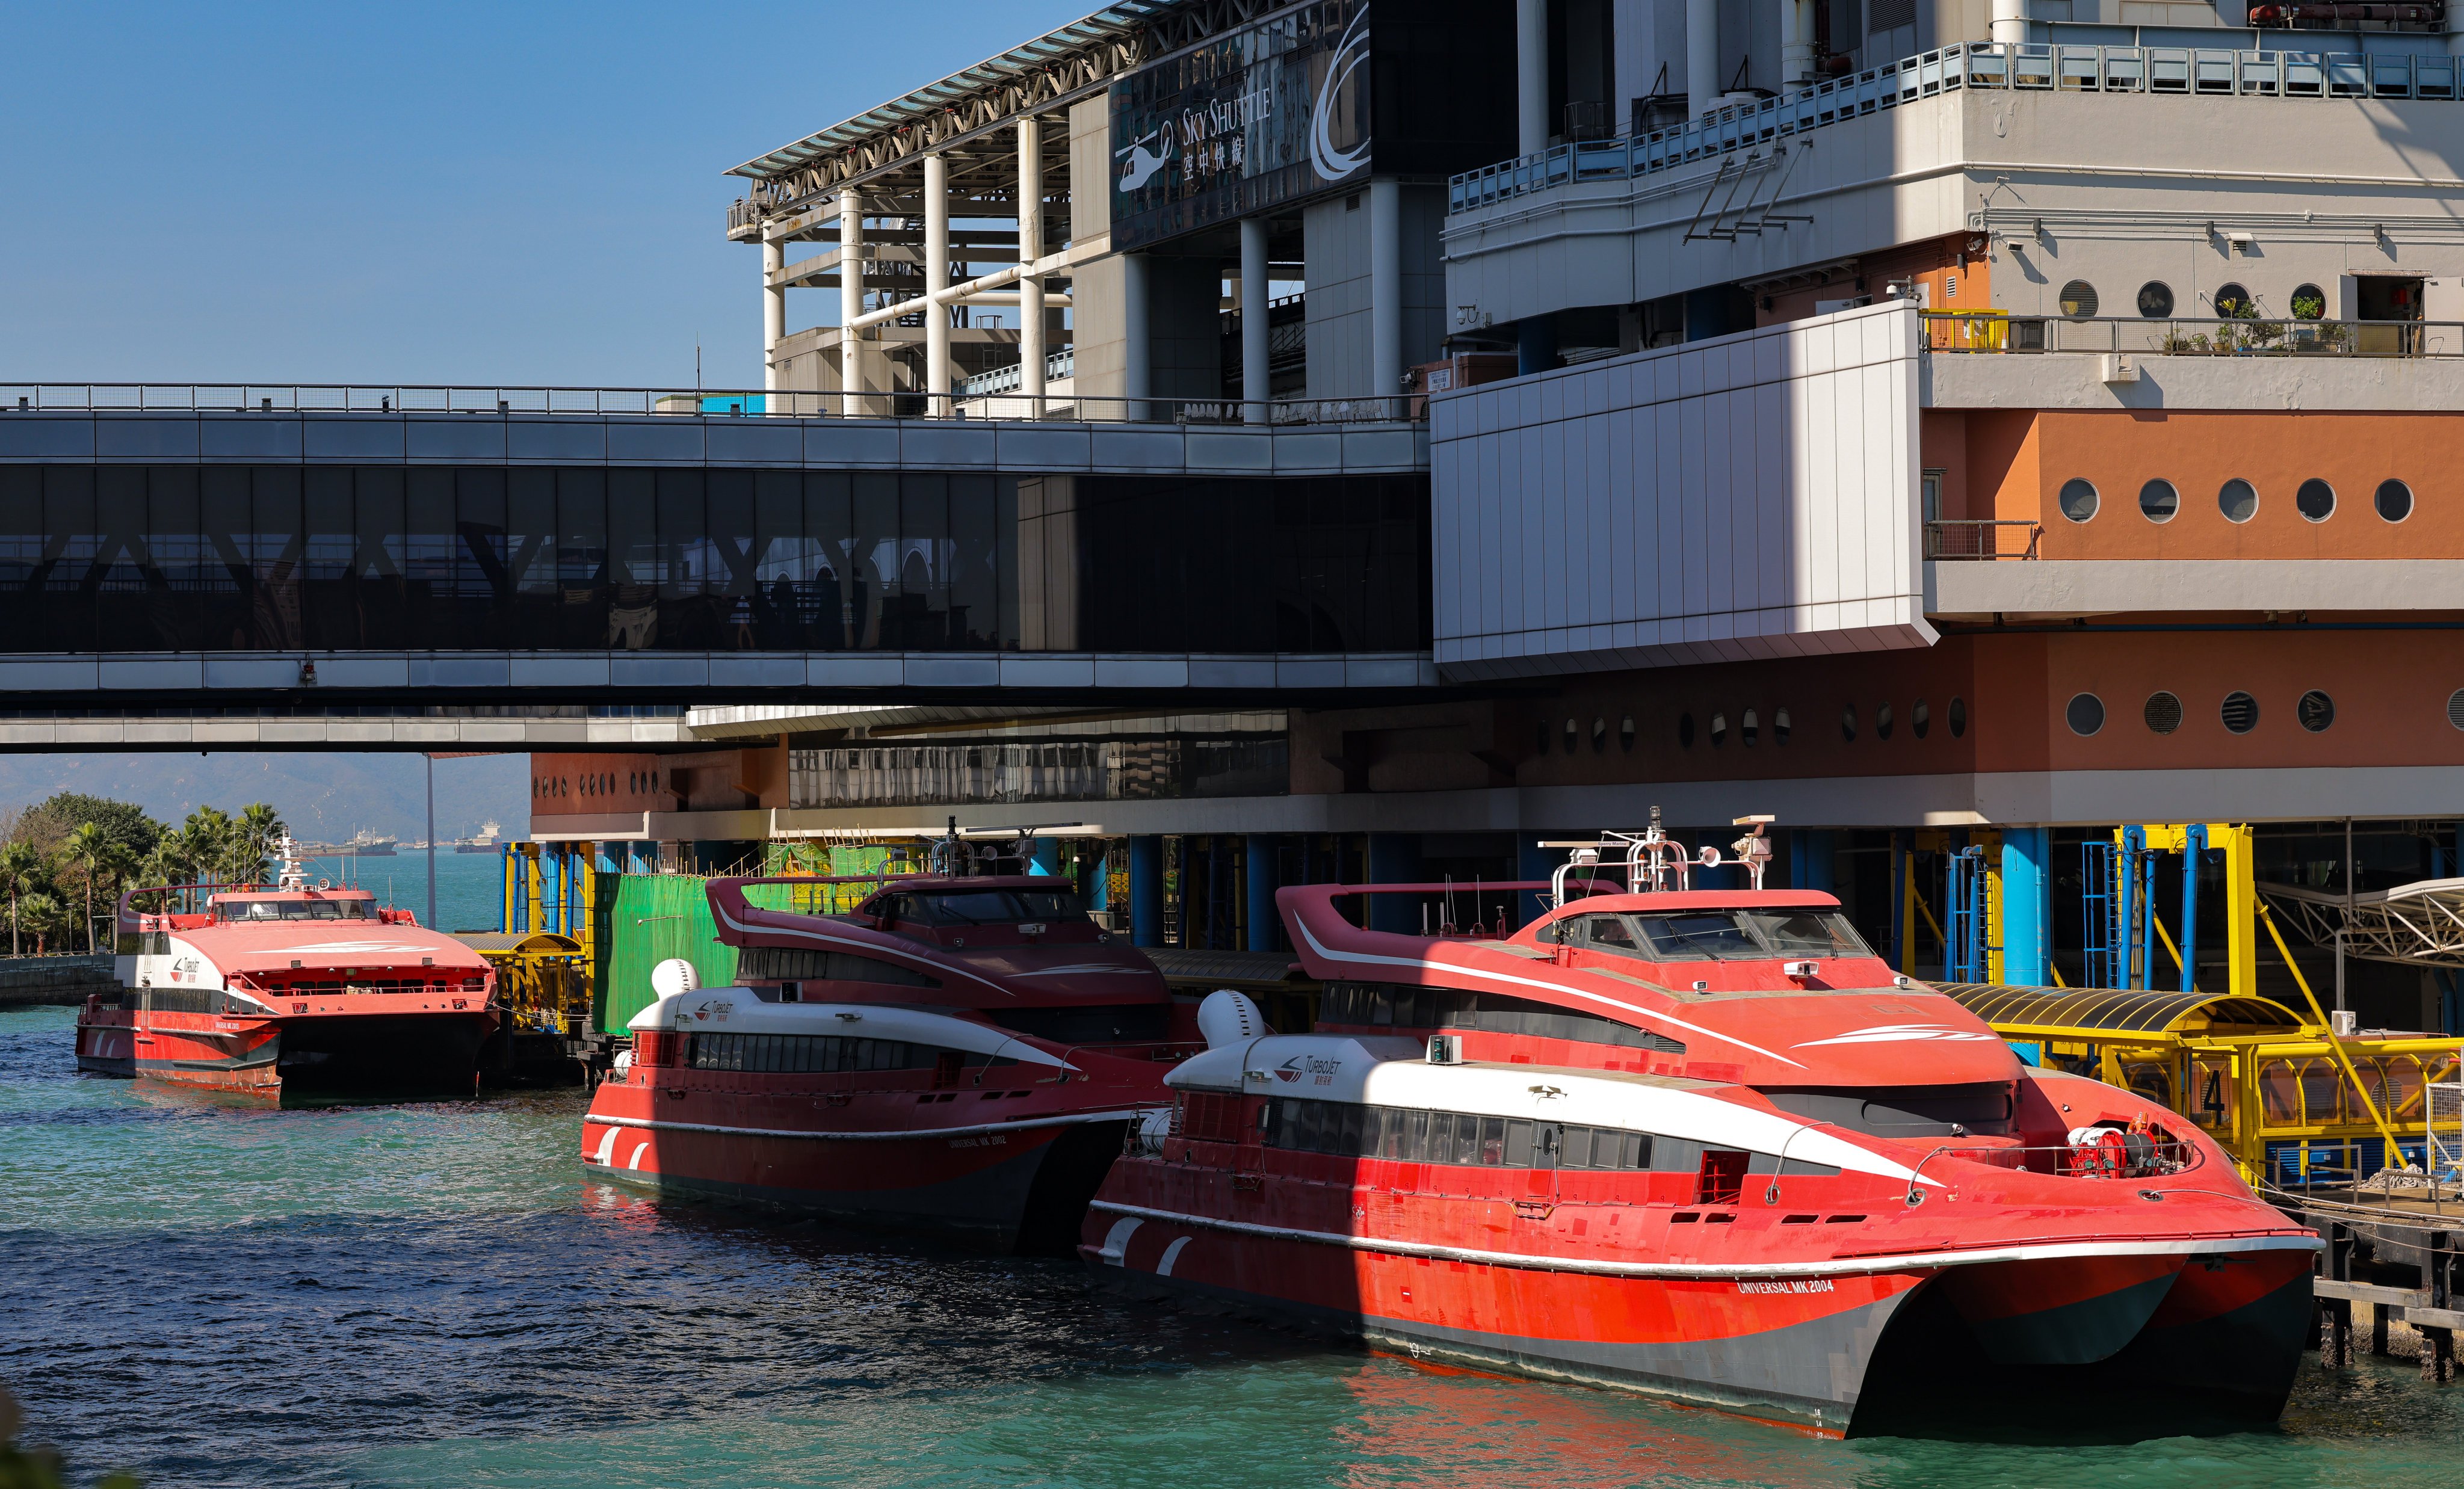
(984,906)
(1715,935)
(299,910)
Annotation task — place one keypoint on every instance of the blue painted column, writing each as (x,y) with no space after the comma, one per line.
(1146,891)
(1264,925)
(1041,858)
(1810,858)
(1536,344)
(2026,906)
(1099,894)
(1394,857)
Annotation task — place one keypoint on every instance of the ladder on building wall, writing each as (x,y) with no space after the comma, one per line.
(2100,916)
(1967,953)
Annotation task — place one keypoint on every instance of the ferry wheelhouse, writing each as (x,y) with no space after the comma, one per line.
(293,988)
(1702,1143)
(956,1054)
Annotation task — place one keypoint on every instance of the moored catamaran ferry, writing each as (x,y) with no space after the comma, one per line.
(292,988)
(1704,1143)
(962,1053)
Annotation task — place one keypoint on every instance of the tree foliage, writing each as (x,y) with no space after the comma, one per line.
(64,862)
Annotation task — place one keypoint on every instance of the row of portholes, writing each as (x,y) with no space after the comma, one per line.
(2160,501)
(598,785)
(2162,714)
(2078,301)
(1749,727)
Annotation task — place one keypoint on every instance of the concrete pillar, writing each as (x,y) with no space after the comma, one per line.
(1795,43)
(1030,248)
(850,304)
(2009,23)
(2026,906)
(1702,56)
(1255,386)
(1531,77)
(1264,922)
(937,274)
(1394,857)
(1146,891)
(1386,287)
(773,308)
(1137,359)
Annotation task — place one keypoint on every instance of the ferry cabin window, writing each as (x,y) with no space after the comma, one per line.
(1378,1004)
(1344,1130)
(782,963)
(811,1054)
(300,909)
(1723,935)
(985,908)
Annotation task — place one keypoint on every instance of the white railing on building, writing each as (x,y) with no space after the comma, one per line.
(1996,331)
(2039,66)
(340,399)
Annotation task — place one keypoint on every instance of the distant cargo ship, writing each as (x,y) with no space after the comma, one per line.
(484,842)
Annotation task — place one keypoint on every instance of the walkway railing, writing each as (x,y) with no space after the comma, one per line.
(2210,336)
(2023,66)
(1987,538)
(254,398)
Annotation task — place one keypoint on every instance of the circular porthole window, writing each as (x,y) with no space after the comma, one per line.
(1625,732)
(1599,736)
(2316,710)
(1718,729)
(2309,302)
(2079,299)
(1958,718)
(1685,731)
(1883,722)
(2163,713)
(1574,733)
(1921,718)
(2155,300)
(2395,500)
(2456,708)
(1749,729)
(2077,499)
(2237,499)
(2085,714)
(2316,500)
(2240,712)
(1848,722)
(2232,299)
(1779,726)
(2158,501)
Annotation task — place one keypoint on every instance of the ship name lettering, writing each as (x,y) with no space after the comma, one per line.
(1795,1285)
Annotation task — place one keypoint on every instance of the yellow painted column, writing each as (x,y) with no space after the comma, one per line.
(1991,842)
(2241,908)
(531,887)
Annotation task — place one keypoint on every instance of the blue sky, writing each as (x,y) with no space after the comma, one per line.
(413,193)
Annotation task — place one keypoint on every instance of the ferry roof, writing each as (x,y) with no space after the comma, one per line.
(312,944)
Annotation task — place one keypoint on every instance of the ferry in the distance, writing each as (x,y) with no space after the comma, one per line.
(956,1054)
(289,989)
(1705,1144)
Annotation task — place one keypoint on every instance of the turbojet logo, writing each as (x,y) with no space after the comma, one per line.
(1899,1034)
(1320,1071)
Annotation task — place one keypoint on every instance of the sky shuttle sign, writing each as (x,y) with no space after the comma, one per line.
(1274,113)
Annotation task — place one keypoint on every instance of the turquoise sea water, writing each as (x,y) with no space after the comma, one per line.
(217,1294)
(468,886)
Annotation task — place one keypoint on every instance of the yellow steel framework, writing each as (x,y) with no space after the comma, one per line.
(543,978)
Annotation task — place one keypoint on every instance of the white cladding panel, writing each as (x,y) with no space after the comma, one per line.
(1750,496)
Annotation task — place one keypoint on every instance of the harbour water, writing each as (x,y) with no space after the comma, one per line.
(211,1293)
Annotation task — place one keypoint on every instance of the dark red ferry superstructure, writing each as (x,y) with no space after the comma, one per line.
(1704,1143)
(289,989)
(959,1053)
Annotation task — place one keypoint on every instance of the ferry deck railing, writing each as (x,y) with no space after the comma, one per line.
(2217,334)
(2006,66)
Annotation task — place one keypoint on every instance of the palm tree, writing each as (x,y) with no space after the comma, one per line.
(87,848)
(42,913)
(21,869)
(261,827)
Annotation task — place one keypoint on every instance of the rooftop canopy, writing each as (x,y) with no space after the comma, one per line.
(2117,1010)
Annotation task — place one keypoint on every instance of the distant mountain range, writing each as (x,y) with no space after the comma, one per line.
(325,798)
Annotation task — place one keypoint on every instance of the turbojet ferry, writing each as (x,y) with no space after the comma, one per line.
(1705,1144)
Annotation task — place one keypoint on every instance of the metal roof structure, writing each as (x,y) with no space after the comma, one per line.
(1113,22)
(1224,969)
(544,942)
(2417,925)
(2117,1010)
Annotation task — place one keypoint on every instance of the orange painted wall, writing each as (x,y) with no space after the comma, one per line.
(2198,452)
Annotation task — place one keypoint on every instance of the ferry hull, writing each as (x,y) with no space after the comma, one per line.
(397,1053)
(1022,1188)
(1802,1362)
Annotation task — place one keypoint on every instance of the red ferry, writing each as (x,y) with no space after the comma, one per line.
(1705,1144)
(958,1054)
(289,989)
